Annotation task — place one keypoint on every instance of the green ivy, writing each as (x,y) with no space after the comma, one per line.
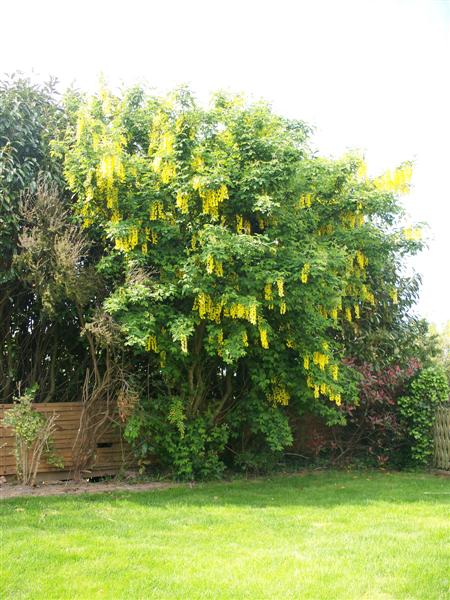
(418,408)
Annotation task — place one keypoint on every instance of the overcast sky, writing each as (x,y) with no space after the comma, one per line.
(367,74)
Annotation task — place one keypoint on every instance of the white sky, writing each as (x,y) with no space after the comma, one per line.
(368,74)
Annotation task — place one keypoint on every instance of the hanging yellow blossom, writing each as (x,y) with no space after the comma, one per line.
(348,314)
(356,311)
(305,273)
(280,395)
(209,264)
(397,181)
(151,344)
(305,201)
(362,170)
(412,233)
(211,199)
(320,359)
(361,259)
(280,287)
(335,372)
(168,172)
(218,268)
(184,344)
(264,338)
(245,338)
(207,308)
(282,308)
(182,203)
(268,292)
(306,362)
(394,296)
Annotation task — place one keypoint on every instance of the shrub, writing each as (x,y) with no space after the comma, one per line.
(417,409)
(33,436)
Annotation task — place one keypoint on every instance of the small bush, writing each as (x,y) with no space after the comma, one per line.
(33,436)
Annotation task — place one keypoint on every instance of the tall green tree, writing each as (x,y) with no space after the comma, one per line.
(35,347)
(240,261)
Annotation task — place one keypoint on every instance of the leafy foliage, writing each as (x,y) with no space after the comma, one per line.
(33,436)
(418,407)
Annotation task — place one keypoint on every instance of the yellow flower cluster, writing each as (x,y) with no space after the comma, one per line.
(110,166)
(394,296)
(152,344)
(367,295)
(335,372)
(321,360)
(326,229)
(157,211)
(361,259)
(396,181)
(268,295)
(305,201)
(242,225)
(211,200)
(283,308)
(245,338)
(412,233)
(197,163)
(151,235)
(214,266)
(348,314)
(239,311)
(130,242)
(306,362)
(168,172)
(362,170)
(207,308)
(184,344)
(353,220)
(182,203)
(109,170)
(280,287)
(88,213)
(357,311)
(116,217)
(305,273)
(324,389)
(263,337)
(335,398)
(280,395)
(166,145)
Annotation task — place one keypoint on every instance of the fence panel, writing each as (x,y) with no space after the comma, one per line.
(442,438)
(111,454)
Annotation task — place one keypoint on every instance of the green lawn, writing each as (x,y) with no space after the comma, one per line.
(325,535)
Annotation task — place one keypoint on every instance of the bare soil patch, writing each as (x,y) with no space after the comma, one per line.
(63,488)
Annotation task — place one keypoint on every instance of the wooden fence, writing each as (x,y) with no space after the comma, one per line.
(442,438)
(111,452)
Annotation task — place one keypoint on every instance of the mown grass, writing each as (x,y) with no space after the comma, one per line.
(329,535)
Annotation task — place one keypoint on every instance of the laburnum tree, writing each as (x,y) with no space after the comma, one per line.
(238,262)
